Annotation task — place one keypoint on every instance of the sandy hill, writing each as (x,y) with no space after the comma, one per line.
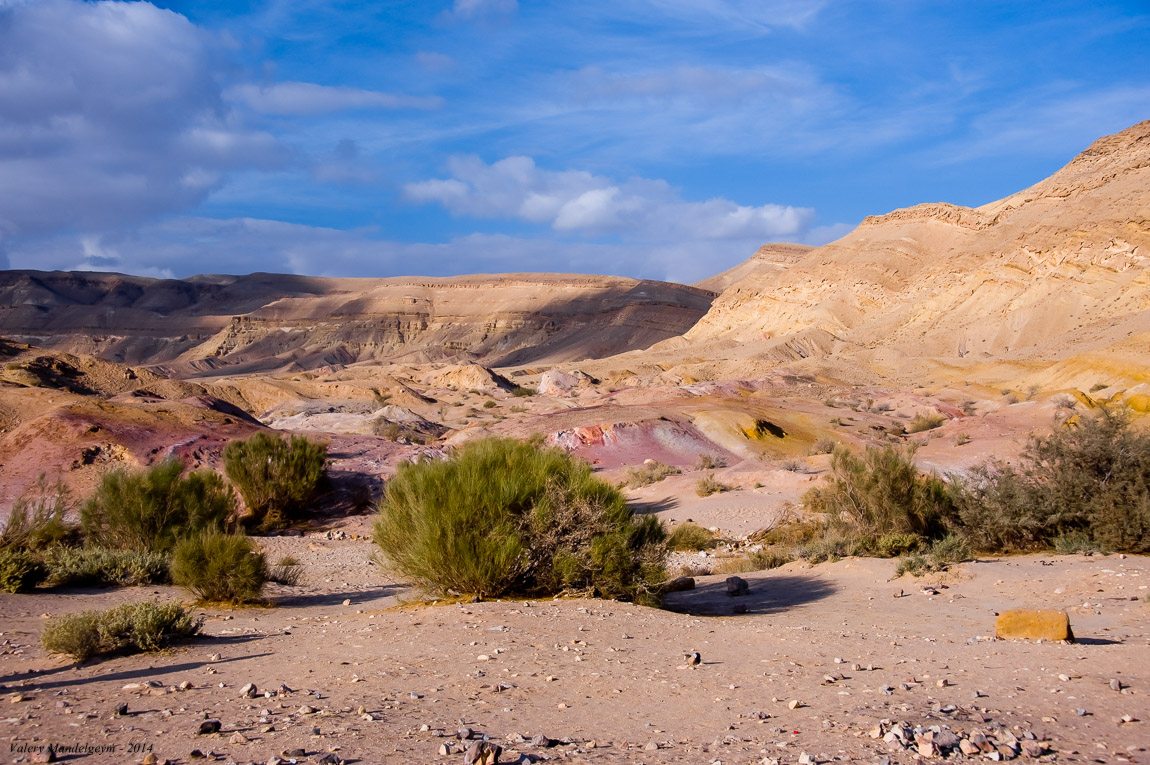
(768,260)
(265,322)
(1052,281)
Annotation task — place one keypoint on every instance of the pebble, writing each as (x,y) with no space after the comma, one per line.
(248,690)
(694,658)
(209,726)
(1115,685)
(794,704)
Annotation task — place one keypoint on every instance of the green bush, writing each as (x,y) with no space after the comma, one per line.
(38,518)
(505,517)
(520,391)
(650,472)
(759,560)
(1075,543)
(130,628)
(896,544)
(708,485)
(489,405)
(20,570)
(276,478)
(150,509)
(690,536)
(102,567)
(220,568)
(953,548)
(882,493)
(1090,476)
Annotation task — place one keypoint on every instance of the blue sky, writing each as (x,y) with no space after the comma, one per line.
(656,138)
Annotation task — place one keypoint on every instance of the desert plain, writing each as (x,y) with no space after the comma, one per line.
(998,321)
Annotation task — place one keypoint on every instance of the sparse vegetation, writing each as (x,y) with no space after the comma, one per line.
(286,571)
(691,536)
(961,439)
(151,509)
(520,391)
(489,404)
(1091,476)
(1098,386)
(20,570)
(708,485)
(275,477)
(37,520)
(758,560)
(505,517)
(925,421)
(103,567)
(128,628)
(648,473)
(709,462)
(220,568)
(823,445)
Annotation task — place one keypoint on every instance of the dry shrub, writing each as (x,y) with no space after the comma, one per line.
(928,421)
(128,628)
(708,485)
(691,536)
(220,568)
(102,567)
(650,472)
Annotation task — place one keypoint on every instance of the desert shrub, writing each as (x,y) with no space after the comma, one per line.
(759,560)
(708,485)
(150,509)
(1075,543)
(130,628)
(220,568)
(709,462)
(790,534)
(896,544)
(794,466)
(103,567)
(823,446)
(38,517)
(691,536)
(520,391)
(20,570)
(489,405)
(835,543)
(1098,386)
(505,517)
(1091,476)
(961,439)
(276,478)
(286,571)
(928,421)
(882,493)
(953,548)
(650,472)
(915,565)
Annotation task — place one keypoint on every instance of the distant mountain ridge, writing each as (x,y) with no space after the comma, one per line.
(267,322)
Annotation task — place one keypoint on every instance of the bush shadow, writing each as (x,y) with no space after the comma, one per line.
(768,594)
(32,676)
(654,506)
(357,598)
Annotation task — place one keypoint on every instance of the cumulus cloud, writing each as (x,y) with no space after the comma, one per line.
(577,201)
(306,98)
(109,114)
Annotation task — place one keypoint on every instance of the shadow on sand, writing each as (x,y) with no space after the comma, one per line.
(357,597)
(33,677)
(768,595)
(654,506)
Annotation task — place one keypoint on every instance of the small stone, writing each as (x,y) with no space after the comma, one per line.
(293,753)
(807,759)
(209,726)
(306,710)
(248,691)
(196,754)
(1129,719)
(237,738)
(445,749)
(347,601)
(694,659)
(1033,624)
(122,709)
(794,704)
(329,759)
(273,760)
(542,741)
(483,657)
(1080,712)
(737,586)
(149,759)
(1115,685)
(1032,749)
(651,746)
(967,748)
(185,685)
(942,683)
(464,734)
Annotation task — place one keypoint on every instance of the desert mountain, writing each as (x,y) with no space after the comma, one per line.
(1054,278)
(262,322)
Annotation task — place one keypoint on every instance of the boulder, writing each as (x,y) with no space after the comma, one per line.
(737,586)
(1033,624)
(681,584)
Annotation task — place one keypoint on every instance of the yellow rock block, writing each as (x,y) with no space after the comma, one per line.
(1033,625)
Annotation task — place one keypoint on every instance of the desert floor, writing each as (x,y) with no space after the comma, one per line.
(390,679)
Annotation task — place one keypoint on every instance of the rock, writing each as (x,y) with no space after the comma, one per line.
(238,738)
(553,382)
(542,741)
(306,710)
(482,753)
(122,709)
(196,754)
(1033,624)
(44,755)
(293,753)
(967,748)
(464,734)
(651,746)
(1033,749)
(329,759)
(446,749)
(248,691)
(737,586)
(794,704)
(694,659)
(149,759)
(1115,685)
(946,740)
(681,584)
(209,726)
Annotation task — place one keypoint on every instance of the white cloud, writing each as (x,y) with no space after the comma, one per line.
(638,209)
(109,113)
(306,98)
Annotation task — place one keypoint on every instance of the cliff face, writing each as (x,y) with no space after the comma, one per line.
(1056,270)
(265,322)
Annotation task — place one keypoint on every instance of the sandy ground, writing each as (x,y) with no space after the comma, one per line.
(609,678)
